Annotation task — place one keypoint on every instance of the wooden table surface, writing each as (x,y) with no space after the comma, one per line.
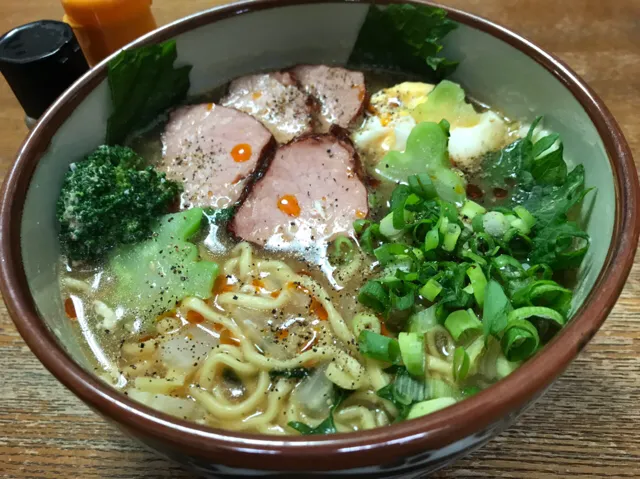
(588,425)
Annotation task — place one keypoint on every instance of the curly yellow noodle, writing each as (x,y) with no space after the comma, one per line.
(266,406)
(354,418)
(235,411)
(346,273)
(250,301)
(338,325)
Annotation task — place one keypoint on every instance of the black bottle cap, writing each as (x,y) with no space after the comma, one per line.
(40,61)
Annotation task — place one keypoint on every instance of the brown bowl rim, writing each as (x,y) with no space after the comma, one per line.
(379,446)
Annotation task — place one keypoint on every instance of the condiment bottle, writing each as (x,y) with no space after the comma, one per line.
(40,60)
(104,26)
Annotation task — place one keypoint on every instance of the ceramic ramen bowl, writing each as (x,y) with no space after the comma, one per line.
(498,67)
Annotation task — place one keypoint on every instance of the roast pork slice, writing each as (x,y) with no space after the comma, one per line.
(214,151)
(274,100)
(340,94)
(310,193)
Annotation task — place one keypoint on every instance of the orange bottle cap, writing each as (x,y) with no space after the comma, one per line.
(102,12)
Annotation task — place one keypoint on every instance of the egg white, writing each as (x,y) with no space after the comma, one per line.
(389,123)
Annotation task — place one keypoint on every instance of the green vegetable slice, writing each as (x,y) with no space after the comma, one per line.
(461,363)
(412,352)
(377,346)
(496,309)
(462,324)
(425,153)
(520,340)
(153,276)
(430,406)
(447,101)
(478,283)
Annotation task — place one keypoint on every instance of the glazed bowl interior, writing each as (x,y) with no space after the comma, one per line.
(496,68)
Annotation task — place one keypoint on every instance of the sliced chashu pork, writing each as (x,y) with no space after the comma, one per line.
(213,150)
(340,94)
(310,193)
(275,100)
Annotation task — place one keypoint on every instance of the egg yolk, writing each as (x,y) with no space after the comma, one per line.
(288,204)
(241,153)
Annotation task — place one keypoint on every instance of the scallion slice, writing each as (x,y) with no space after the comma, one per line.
(451,237)
(460,364)
(525,216)
(427,407)
(479,283)
(520,340)
(432,240)
(412,352)
(471,209)
(423,321)
(431,290)
(341,251)
(373,295)
(461,323)
(377,346)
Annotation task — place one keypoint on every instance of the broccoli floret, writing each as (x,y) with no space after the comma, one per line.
(110,198)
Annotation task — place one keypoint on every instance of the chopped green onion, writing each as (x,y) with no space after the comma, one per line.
(407,389)
(391,251)
(520,340)
(451,237)
(496,309)
(462,323)
(468,289)
(360,225)
(431,290)
(479,283)
(519,225)
(363,321)
(477,223)
(422,186)
(540,271)
(470,391)
(387,229)
(412,352)
(460,364)
(444,224)
(544,293)
(427,407)
(437,388)
(508,268)
(504,367)
(525,216)
(475,350)
(423,321)
(471,209)
(432,240)
(421,229)
(377,346)
(537,312)
(341,250)
(374,296)
(474,257)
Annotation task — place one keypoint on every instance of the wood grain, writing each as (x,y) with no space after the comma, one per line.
(588,424)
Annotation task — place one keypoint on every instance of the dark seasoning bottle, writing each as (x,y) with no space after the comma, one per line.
(40,60)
